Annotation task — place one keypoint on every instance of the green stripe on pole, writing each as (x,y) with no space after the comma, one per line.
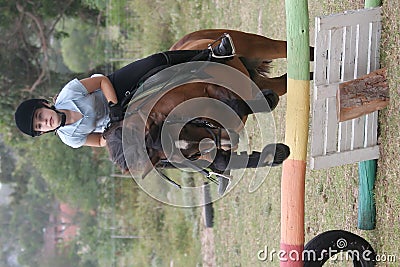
(372,3)
(298,39)
(366,203)
(367,175)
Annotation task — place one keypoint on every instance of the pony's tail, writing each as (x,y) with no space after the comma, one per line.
(257,68)
(263,68)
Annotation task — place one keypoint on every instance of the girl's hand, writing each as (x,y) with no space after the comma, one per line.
(95,140)
(116,112)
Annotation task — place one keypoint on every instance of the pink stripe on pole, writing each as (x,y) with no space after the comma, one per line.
(291,255)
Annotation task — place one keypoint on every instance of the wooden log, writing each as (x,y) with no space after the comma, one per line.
(362,96)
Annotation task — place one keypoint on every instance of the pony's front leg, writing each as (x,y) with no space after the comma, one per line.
(278,84)
(266,101)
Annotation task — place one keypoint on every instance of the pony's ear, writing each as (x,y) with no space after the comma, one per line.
(149,165)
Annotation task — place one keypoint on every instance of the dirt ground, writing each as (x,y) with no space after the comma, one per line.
(207,245)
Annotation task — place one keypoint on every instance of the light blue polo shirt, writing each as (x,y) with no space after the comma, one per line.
(93,106)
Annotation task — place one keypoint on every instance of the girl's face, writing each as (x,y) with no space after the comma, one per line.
(45,120)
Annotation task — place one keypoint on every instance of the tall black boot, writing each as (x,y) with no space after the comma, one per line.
(222,52)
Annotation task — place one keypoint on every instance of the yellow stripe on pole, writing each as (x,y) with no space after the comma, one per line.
(297,114)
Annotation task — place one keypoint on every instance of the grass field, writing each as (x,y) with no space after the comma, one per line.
(245,222)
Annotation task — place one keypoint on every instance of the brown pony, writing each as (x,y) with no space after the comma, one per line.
(148,118)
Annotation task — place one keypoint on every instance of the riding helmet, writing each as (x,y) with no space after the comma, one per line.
(24,115)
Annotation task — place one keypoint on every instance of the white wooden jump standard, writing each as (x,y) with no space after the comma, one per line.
(346,47)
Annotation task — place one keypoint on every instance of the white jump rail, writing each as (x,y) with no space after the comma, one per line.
(346,47)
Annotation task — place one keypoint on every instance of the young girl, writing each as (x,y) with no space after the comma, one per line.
(84,107)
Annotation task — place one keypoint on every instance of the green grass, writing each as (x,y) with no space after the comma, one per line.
(246,222)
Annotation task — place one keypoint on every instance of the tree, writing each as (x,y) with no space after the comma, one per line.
(84,36)
(7,164)
(27,29)
(70,173)
(22,224)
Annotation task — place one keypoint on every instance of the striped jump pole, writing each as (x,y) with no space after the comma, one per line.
(296,136)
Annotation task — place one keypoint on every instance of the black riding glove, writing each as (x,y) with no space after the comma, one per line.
(116,112)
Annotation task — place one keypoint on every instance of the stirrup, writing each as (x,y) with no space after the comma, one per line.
(213,55)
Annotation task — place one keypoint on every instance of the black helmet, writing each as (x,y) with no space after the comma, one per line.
(24,115)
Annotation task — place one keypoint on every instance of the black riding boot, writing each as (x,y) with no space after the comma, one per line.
(222,52)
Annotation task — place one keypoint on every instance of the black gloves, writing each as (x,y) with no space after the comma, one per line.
(116,112)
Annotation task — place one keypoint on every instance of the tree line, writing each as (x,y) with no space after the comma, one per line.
(43,171)
(44,44)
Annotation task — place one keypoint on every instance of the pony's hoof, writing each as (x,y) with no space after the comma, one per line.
(274,154)
(271,97)
(223,184)
(221,160)
(234,138)
(258,105)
